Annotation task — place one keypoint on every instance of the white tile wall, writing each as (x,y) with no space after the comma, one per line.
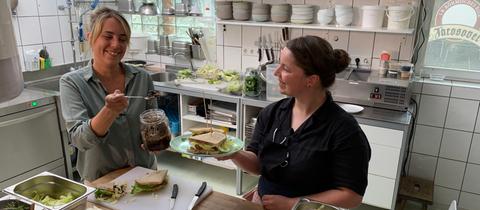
(338,39)
(27,8)
(47,7)
(449,173)
(461,114)
(474,155)
(469,201)
(432,110)
(30,30)
(232,36)
(471,183)
(443,195)
(466,92)
(232,61)
(50,29)
(427,140)
(455,145)
(422,166)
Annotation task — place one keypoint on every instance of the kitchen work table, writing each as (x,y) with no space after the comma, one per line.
(215,200)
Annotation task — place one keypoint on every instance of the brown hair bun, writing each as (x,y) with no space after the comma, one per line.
(342,58)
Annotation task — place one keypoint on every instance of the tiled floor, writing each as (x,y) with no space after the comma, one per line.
(223,180)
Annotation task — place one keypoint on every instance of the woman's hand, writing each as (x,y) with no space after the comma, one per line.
(227,157)
(278,202)
(116,102)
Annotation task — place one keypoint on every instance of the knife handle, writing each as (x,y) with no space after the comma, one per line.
(174,191)
(201,189)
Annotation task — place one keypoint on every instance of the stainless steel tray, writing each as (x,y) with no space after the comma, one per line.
(5,204)
(306,204)
(54,186)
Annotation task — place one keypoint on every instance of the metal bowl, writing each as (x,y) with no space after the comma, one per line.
(306,204)
(11,204)
(52,185)
(148,9)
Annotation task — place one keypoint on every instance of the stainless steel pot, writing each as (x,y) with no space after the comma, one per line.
(148,9)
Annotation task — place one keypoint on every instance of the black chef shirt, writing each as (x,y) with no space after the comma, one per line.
(329,150)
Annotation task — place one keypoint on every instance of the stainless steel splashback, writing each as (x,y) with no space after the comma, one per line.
(366,87)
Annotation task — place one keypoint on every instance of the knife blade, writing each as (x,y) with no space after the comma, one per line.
(197,195)
(174,196)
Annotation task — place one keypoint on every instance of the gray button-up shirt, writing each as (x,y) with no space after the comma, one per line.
(82,96)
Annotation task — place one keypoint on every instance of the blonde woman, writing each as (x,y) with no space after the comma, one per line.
(102,123)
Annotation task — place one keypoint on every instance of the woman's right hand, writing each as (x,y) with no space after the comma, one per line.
(228,157)
(116,102)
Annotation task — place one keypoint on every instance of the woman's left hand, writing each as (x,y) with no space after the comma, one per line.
(278,202)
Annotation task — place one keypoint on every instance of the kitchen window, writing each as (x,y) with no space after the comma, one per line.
(453,41)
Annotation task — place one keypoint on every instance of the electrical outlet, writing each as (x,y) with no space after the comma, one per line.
(364,62)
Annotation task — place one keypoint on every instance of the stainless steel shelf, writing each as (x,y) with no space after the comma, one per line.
(315,26)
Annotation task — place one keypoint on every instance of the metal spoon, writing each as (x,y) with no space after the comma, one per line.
(139,97)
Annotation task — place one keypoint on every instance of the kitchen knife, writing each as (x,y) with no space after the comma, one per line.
(174,196)
(197,195)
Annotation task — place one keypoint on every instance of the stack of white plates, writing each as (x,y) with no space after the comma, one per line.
(302,14)
(242,10)
(260,12)
(343,14)
(223,10)
(280,13)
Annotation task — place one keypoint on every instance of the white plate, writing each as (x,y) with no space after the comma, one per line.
(350,108)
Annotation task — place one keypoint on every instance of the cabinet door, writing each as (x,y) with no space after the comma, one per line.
(379,192)
(384,161)
(383,136)
(29,140)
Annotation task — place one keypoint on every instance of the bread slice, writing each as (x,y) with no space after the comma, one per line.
(153,178)
(198,131)
(214,138)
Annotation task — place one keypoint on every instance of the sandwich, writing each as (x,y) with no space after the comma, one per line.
(110,192)
(198,131)
(151,182)
(210,142)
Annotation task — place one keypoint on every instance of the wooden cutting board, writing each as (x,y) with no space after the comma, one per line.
(159,200)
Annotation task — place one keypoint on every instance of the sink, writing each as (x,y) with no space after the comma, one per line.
(50,84)
(163,76)
(354,74)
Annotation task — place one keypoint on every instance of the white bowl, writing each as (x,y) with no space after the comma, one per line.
(344,21)
(328,12)
(301,21)
(324,20)
(301,17)
(279,18)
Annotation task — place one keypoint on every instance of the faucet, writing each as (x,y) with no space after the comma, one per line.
(357,63)
(186,57)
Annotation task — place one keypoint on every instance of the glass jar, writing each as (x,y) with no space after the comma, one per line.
(251,85)
(154,129)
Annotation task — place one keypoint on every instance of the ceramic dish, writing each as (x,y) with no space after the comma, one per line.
(181,144)
(351,108)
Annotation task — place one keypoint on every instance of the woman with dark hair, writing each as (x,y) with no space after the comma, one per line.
(102,124)
(306,145)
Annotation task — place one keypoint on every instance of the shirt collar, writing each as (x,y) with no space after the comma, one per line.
(88,74)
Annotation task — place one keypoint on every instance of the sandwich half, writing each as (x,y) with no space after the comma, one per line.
(110,192)
(198,131)
(208,143)
(151,182)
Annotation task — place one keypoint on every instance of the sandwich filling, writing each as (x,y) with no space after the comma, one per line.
(110,192)
(209,143)
(151,182)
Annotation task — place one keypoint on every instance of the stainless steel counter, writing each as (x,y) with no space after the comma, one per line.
(369,113)
(28,99)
